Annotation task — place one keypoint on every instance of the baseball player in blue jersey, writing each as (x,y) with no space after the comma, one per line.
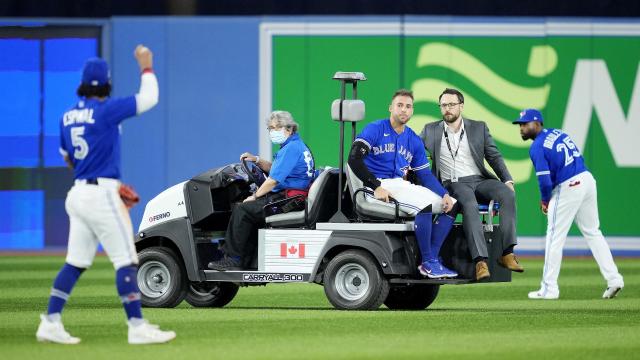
(90,144)
(568,191)
(381,155)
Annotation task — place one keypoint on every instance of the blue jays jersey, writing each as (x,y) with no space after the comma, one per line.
(293,166)
(90,135)
(556,159)
(392,154)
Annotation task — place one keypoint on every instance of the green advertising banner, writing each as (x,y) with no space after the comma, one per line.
(584,82)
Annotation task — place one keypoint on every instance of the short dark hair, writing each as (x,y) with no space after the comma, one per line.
(402,92)
(86,90)
(455,92)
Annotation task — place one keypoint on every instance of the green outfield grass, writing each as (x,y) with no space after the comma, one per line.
(295,321)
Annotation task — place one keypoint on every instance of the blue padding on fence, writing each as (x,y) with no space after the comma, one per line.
(23,227)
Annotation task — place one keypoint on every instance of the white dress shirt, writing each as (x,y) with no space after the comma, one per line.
(463,164)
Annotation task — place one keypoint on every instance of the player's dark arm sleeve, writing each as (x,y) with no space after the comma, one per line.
(356,161)
(428,180)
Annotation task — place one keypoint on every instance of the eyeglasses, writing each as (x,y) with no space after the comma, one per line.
(449,105)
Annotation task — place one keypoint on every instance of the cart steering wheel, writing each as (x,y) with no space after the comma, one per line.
(253,171)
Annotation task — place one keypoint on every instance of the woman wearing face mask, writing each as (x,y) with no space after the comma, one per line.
(292,170)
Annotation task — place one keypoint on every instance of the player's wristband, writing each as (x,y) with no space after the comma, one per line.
(147,70)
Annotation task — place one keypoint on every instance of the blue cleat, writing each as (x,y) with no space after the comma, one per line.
(432,269)
(448,272)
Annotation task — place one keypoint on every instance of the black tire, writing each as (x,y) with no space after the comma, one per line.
(353,281)
(161,278)
(211,294)
(414,297)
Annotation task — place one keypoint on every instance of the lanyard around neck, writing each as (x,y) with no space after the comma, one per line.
(446,137)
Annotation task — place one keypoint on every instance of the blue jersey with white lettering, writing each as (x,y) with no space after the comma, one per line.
(293,166)
(556,159)
(90,135)
(392,154)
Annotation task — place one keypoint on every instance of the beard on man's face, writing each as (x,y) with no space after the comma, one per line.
(450,117)
(525,134)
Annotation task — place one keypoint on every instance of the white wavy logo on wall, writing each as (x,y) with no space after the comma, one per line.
(542,61)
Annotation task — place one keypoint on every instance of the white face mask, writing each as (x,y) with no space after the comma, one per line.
(277,136)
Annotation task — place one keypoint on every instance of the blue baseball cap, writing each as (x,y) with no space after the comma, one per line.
(95,72)
(529,115)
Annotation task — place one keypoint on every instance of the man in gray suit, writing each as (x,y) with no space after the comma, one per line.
(458,148)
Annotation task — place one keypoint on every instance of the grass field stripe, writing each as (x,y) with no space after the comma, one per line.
(294,321)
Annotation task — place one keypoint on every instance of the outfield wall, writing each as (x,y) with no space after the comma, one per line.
(220,76)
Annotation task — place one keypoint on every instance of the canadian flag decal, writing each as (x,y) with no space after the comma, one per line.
(291,250)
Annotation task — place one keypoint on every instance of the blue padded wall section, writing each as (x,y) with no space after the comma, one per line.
(208,97)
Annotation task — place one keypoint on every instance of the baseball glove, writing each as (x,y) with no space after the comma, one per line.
(129,196)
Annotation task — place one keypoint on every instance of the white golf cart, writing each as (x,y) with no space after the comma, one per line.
(363,253)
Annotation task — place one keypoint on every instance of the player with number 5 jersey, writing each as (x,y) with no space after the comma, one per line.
(568,192)
(90,144)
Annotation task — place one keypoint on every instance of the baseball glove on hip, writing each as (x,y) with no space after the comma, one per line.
(129,196)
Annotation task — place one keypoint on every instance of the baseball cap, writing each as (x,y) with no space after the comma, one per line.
(95,72)
(529,115)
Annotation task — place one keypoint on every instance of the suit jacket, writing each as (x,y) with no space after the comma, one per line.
(480,142)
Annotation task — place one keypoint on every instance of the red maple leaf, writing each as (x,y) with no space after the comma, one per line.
(293,250)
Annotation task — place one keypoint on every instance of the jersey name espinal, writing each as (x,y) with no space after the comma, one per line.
(78,116)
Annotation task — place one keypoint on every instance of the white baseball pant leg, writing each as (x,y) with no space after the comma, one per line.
(412,198)
(588,222)
(563,206)
(98,215)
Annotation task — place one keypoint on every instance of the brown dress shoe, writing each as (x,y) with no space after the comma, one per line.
(510,261)
(482,270)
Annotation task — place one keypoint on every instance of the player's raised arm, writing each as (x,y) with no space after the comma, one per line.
(147,96)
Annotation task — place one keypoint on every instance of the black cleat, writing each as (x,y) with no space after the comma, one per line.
(224,264)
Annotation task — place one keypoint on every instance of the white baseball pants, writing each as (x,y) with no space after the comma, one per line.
(411,197)
(576,198)
(98,216)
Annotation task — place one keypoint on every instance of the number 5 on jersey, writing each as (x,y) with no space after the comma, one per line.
(82,148)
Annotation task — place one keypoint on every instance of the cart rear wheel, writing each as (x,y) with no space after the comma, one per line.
(414,297)
(353,281)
